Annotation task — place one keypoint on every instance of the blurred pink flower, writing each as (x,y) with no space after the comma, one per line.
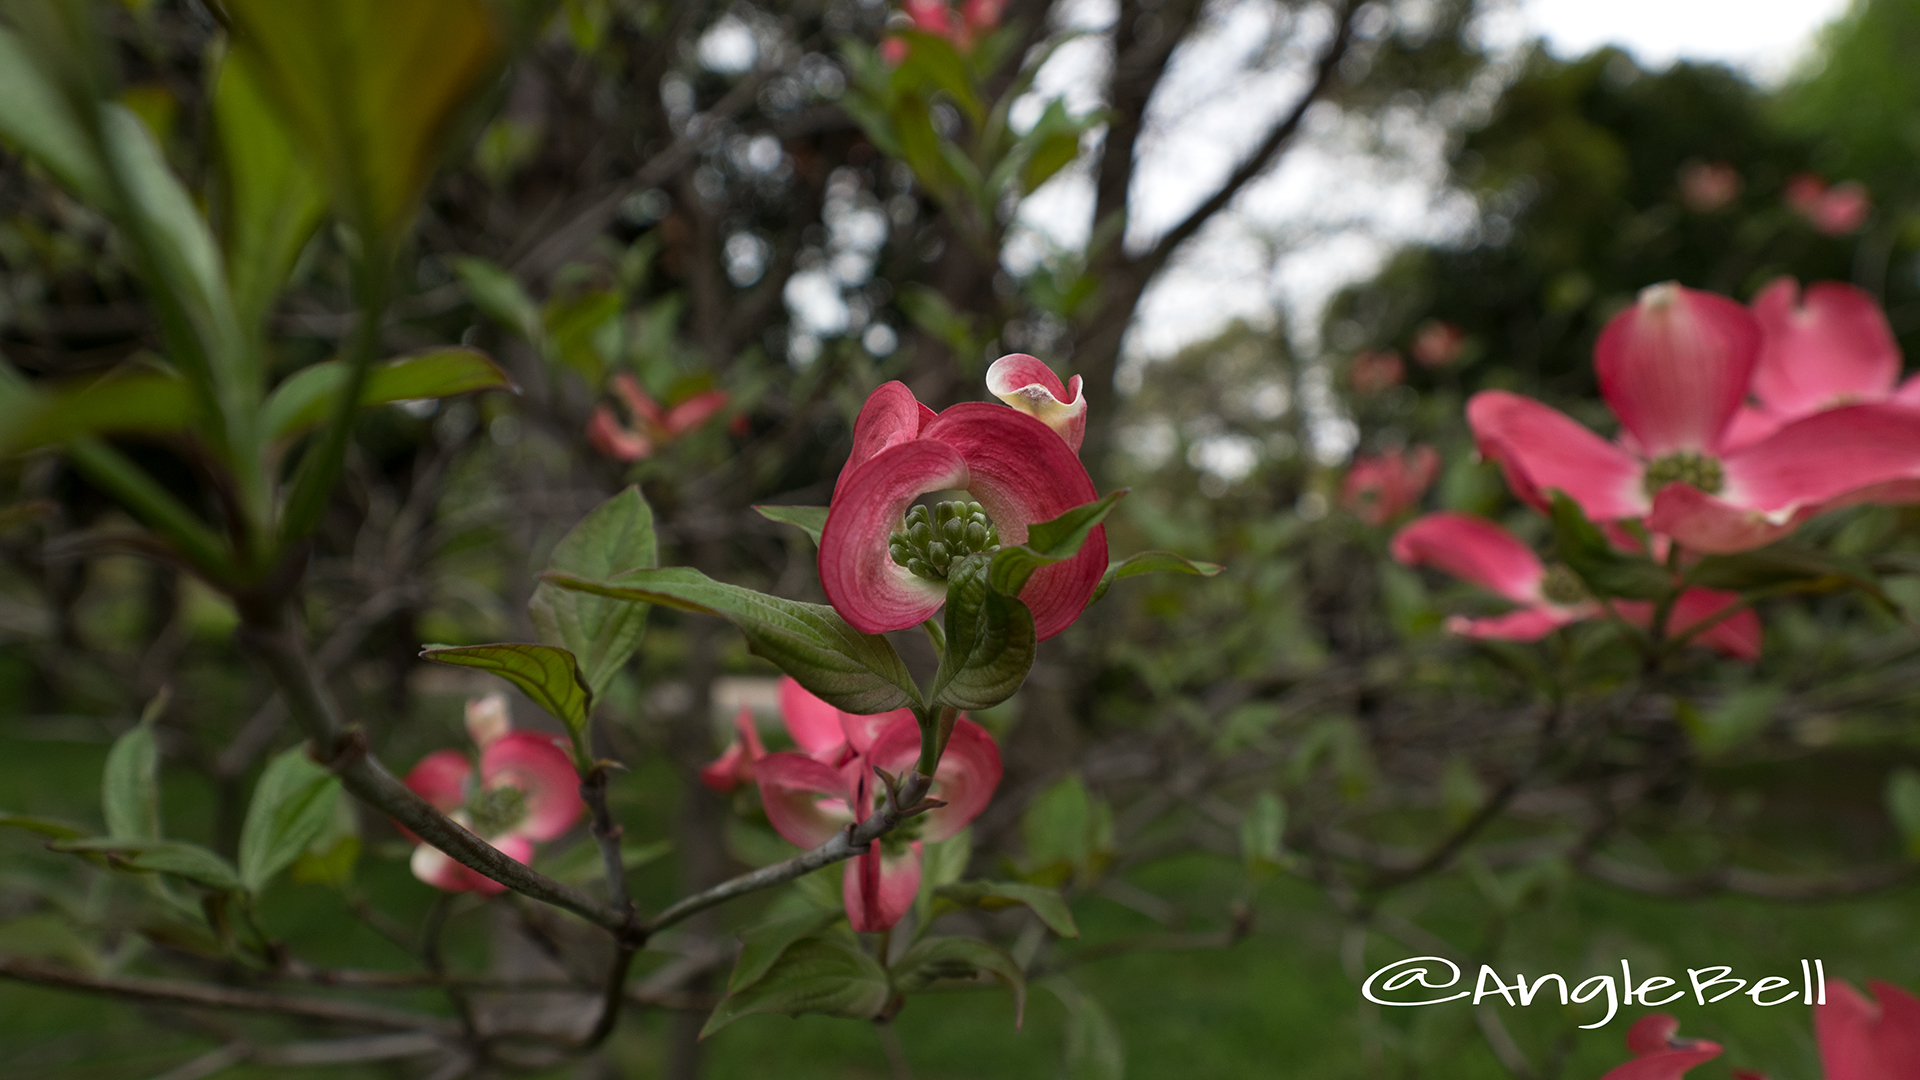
(1482,553)
(1379,487)
(653,426)
(1437,344)
(1659,1051)
(1835,210)
(1373,371)
(526,792)
(810,796)
(1706,186)
(963,28)
(1676,368)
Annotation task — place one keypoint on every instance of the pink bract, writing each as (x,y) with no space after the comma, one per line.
(1482,553)
(1031,386)
(1378,488)
(1660,1053)
(1017,468)
(1861,1039)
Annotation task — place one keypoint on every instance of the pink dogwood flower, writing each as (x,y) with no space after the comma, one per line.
(1707,186)
(734,767)
(1482,553)
(1675,368)
(810,796)
(963,28)
(1437,343)
(1380,487)
(1374,371)
(884,561)
(525,792)
(653,426)
(1833,211)
(821,731)
(1859,1039)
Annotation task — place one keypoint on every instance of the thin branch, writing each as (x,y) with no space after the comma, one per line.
(607,833)
(1149,263)
(176,992)
(213,1061)
(847,843)
(1654,882)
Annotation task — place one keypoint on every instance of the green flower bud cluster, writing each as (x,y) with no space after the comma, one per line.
(495,810)
(1687,467)
(1562,586)
(934,538)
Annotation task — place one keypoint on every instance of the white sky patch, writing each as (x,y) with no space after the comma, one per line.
(1764,38)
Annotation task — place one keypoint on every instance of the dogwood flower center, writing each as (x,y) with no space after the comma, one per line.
(498,809)
(1562,586)
(933,538)
(1688,467)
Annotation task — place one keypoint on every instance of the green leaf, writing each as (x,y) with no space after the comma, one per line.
(1151,562)
(935,959)
(307,397)
(1262,833)
(1783,568)
(39,120)
(130,786)
(830,975)
(571,326)
(329,857)
(1049,542)
(617,536)
(1735,719)
(808,519)
(45,826)
(990,639)
(372,89)
(1068,833)
(270,202)
(176,858)
(762,945)
(1047,903)
(547,675)
(1606,571)
(124,401)
(1903,803)
(933,61)
(292,805)
(942,862)
(499,295)
(582,863)
(852,671)
(1093,1050)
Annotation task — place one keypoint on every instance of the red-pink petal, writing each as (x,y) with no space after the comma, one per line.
(694,411)
(437,869)
(861,731)
(534,763)
(606,435)
(1908,393)
(814,724)
(861,580)
(806,801)
(1738,635)
(735,766)
(1825,457)
(1527,624)
(1749,426)
(441,779)
(644,408)
(965,779)
(1031,386)
(1831,346)
(1021,472)
(879,886)
(1541,449)
(1675,367)
(1711,525)
(1475,550)
(1862,1040)
(1668,1064)
(891,416)
(1652,1034)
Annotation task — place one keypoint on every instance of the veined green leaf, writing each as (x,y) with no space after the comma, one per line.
(306,398)
(1151,562)
(763,944)
(270,200)
(45,826)
(1050,542)
(173,857)
(945,958)
(990,639)
(1047,903)
(130,786)
(808,519)
(292,804)
(852,671)
(548,675)
(602,633)
(830,975)
(496,293)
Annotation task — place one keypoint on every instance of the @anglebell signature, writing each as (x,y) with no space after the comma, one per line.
(1419,976)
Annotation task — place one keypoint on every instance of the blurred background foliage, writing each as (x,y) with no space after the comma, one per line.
(1236,780)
